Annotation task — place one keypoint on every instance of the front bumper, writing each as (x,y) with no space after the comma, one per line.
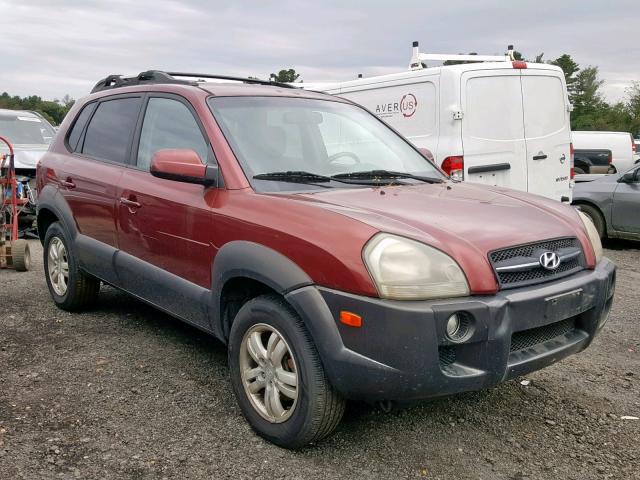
(401,351)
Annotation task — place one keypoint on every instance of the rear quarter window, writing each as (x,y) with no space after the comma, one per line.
(78,126)
(109,133)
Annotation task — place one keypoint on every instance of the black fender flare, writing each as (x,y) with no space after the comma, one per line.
(50,198)
(246,259)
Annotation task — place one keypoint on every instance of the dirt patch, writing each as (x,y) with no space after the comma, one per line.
(125,391)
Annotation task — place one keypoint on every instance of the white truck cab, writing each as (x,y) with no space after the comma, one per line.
(496,121)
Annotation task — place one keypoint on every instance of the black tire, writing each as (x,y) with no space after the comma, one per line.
(596,217)
(578,171)
(21,255)
(82,290)
(319,407)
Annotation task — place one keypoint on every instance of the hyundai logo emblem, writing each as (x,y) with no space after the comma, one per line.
(550,260)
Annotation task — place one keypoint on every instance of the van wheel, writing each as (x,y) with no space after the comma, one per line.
(578,171)
(277,375)
(70,288)
(596,217)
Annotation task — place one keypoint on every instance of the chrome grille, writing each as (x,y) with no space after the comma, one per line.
(528,255)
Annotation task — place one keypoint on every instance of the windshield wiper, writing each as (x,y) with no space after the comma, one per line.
(293,177)
(384,174)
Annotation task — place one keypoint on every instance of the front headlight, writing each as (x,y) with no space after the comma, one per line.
(593,235)
(404,269)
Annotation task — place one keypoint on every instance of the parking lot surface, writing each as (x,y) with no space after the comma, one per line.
(125,391)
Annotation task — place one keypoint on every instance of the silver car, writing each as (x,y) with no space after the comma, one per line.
(612,202)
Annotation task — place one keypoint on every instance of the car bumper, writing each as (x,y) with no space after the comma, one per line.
(401,351)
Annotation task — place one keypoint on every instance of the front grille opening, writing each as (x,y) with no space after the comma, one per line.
(447,356)
(536,274)
(535,336)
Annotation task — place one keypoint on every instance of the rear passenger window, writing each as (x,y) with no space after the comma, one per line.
(109,133)
(78,126)
(169,124)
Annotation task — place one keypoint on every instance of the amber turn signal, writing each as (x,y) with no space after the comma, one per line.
(350,319)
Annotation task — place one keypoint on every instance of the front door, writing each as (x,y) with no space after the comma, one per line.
(164,226)
(493,129)
(626,205)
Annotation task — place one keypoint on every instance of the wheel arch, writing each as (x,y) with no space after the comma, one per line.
(243,270)
(52,207)
(598,208)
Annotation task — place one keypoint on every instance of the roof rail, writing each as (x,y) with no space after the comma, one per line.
(151,77)
(418,59)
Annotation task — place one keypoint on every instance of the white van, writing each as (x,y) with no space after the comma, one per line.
(498,121)
(621,144)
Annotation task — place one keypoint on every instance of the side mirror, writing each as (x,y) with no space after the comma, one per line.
(183,165)
(631,177)
(427,153)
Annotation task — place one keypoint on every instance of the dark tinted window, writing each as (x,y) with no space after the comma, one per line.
(169,124)
(109,133)
(81,121)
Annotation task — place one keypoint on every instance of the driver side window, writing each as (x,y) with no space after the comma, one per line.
(168,123)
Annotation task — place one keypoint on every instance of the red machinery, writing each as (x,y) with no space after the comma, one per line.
(14,253)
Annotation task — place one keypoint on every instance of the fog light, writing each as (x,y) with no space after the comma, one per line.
(458,327)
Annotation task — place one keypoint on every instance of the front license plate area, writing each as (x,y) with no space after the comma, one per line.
(566,305)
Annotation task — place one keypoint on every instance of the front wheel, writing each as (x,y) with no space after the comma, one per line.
(278,377)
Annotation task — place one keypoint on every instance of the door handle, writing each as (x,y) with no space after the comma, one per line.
(68,183)
(540,156)
(130,203)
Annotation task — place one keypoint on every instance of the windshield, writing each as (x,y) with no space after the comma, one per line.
(25,130)
(281,134)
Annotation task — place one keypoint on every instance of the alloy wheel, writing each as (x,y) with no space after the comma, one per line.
(58,266)
(269,373)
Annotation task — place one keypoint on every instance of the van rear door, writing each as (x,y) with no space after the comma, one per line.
(547,133)
(493,128)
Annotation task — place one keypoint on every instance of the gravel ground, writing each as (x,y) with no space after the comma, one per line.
(125,391)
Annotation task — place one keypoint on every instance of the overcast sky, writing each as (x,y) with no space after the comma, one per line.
(56,47)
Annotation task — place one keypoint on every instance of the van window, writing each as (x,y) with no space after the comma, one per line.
(494,108)
(544,105)
(109,133)
(169,123)
(78,126)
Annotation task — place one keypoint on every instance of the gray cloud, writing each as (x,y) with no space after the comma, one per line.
(52,48)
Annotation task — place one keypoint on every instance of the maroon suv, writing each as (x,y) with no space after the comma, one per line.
(333,258)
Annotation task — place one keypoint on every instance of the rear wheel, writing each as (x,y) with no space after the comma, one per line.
(578,171)
(596,217)
(70,288)
(277,375)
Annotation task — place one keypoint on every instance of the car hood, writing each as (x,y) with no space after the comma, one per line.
(26,156)
(466,221)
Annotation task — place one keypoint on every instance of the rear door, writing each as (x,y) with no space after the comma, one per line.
(493,128)
(100,142)
(547,133)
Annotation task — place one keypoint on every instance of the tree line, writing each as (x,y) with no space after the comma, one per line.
(590,109)
(53,110)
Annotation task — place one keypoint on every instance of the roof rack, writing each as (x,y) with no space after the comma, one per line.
(418,59)
(151,77)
